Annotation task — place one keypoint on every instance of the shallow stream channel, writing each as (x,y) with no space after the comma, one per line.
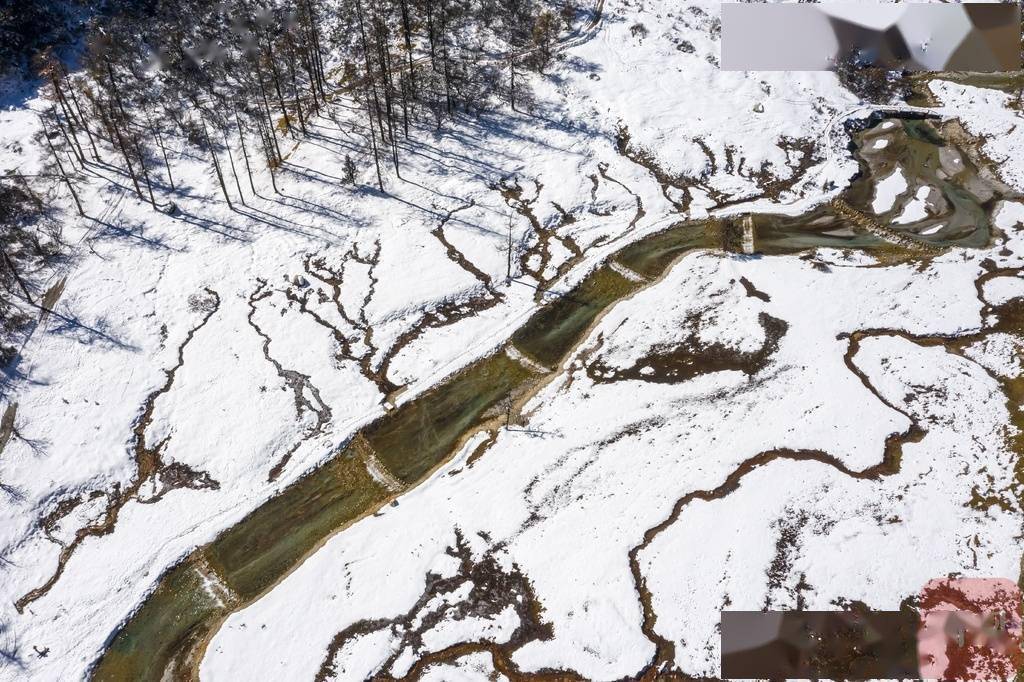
(917,193)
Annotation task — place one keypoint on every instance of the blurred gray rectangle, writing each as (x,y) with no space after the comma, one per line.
(837,645)
(913,36)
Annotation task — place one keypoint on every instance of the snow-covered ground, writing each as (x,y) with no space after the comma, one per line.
(993,114)
(887,191)
(603,462)
(916,208)
(212,339)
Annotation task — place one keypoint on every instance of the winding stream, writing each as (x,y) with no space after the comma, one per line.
(166,637)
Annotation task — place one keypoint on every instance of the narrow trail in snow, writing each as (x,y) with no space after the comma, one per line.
(149,468)
(361,349)
(602,168)
(299,383)
(449,311)
(536,260)
(494,588)
(1009,318)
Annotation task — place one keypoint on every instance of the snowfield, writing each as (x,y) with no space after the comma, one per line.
(888,190)
(244,348)
(563,499)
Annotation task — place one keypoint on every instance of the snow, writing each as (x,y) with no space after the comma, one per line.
(915,208)
(626,272)
(880,143)
(470,628)
(475,667)
(887,190)
(999,290)
(1001,354)
(989,113)
(584,478)
(854,527)
(593,488)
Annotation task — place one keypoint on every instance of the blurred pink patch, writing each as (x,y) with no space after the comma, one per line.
(970,630)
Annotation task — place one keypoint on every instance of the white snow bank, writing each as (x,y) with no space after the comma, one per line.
(888,189)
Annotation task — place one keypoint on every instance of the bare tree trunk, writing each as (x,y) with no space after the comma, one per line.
(266,106)
(115,91)
(369,69)
(307,64)
(105,121)
(373,141)
(245,154)
(405,106)
(231,160)
(385,61)
(63,173)
(216,164)
(408,51)
(277,84)
(145,172)
(70,139)
(81,116)
(127,159)
(268,150)
(273,180)
(65,104)
(163,149)
(69,115)
(295,88)
(430,33)
(17,277)
(61,99)
(318,64)
(512,88)
(444,56)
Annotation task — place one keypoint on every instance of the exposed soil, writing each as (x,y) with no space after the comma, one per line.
(664,649)
(595,295)
(454,254)
(801,155)
(786,549)
(355,340)
(306,395)
(675,188)
(450,311)
(602,168)
(670,364)
(356,344)
(753,291)
(493,590)
(535,257)
(1007,318)
(150,468)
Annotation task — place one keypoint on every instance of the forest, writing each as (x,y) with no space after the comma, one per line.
(230,80)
